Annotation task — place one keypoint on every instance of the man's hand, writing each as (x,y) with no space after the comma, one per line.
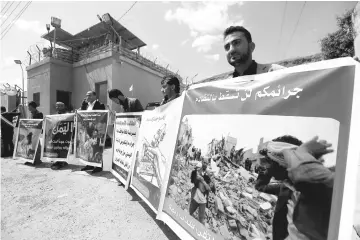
(356,58)
(316,147)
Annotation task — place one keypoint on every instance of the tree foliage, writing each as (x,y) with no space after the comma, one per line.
(341,42)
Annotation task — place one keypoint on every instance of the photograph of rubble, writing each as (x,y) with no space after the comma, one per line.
(219,179)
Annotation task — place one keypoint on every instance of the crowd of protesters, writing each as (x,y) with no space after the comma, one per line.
(305,186)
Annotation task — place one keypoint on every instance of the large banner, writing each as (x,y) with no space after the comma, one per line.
(126,131)
(27,139)
(259,113)
(154,150)
(90,136)
(58,131)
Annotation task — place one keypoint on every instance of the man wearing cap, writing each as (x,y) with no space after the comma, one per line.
(311,182)
(128,104)
(170,88)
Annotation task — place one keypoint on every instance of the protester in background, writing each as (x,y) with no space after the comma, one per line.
(170,88)
(311,182)
(60,109)
(283,193)
(128,104)
(35,114)
(239,47)
(92,103)
(200,192)
(7,132)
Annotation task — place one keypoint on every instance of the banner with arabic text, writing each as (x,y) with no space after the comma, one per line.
(225,129)
(90,135)
(58,131)
(27,139)
(126,131)
(155,146)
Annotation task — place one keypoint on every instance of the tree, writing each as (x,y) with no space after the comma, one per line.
(340,43)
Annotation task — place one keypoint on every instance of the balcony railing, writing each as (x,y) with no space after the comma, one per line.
(72,56)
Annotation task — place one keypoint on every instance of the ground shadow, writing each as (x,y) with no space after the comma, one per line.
(164,228)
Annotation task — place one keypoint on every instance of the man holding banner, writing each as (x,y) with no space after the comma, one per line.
(238,47)
(128,104)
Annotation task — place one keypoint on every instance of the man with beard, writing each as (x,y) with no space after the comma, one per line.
(239,47)
(283,193)
(170,88)
(128,104)
(301,169)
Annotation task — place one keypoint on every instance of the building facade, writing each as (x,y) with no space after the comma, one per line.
(98,59)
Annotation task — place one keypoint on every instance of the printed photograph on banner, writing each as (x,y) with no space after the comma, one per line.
(57,135)
(125,137)
(150,164)
(27,138)
(229,174)
(91,135)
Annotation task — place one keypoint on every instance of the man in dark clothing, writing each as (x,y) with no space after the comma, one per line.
(60,109)
(7,131)
(128,104)
(170,87)
(92,103)
(35,114)
(239,47)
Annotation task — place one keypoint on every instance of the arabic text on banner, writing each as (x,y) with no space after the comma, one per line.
(57,135)
(125,138)
(248,114)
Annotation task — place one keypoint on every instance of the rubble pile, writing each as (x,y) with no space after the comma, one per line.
(236,210)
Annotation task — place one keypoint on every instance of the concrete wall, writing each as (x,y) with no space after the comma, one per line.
(9,102)
(38,80)
(146,82)
(61,78)
(85,77)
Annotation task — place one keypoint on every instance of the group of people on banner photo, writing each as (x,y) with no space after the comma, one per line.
(239,158)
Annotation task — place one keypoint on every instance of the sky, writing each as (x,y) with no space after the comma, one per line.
(185,35)
(268,127)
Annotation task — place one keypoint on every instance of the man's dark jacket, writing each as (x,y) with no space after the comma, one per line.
(132,105)
(97,106)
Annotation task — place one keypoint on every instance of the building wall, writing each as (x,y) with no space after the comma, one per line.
(146,82)
(61,78)
(85,77)
(38,80)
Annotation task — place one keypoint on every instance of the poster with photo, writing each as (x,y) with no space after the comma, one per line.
(27,139)
(239,136)
(126,132)
(155,147)
(58,130)
(90,135)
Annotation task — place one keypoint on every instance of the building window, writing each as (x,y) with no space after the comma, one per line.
(101,92)
(64,97)
(36,98)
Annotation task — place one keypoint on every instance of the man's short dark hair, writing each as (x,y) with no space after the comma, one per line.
(114,93)
(288,139)
(233,29)
(3,109)
(32,104)
(172,80)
